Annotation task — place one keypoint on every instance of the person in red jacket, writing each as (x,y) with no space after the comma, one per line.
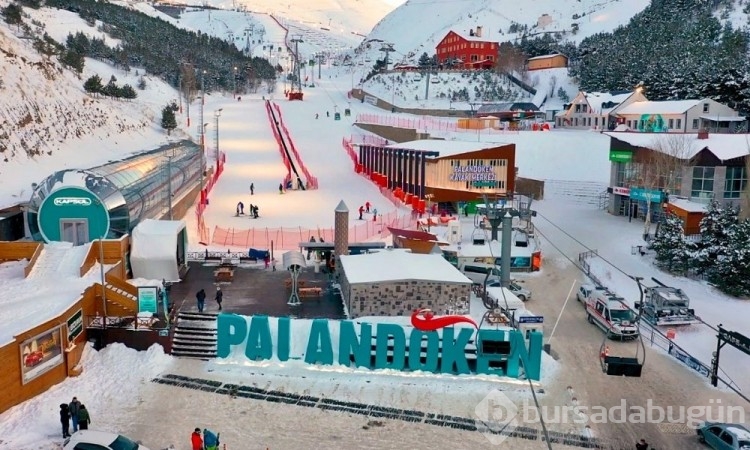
(197,440)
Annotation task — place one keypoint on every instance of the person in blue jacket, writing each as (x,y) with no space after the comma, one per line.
(210,440)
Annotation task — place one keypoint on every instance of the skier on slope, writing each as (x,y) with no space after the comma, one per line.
(361,211)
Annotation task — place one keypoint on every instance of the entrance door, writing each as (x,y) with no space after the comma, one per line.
(75,231)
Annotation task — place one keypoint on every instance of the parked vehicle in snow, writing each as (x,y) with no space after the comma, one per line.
(664,305)
(519,291)
(611,314)
(585,291)
(724,436)
(91,439)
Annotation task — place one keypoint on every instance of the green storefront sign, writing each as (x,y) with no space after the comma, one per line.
(73,214)
(646,195)
(481,184)
(620,155)
(75,325)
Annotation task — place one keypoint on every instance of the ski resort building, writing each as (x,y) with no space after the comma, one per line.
(653,167)
(108,201)
(595,110)
(447,171)
(553,61)
(404,282)
(472,51)
(679,116)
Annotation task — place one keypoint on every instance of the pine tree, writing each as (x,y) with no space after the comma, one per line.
(13,14)
(128,92)
(731,273)
(93,85)
(670,245)
(424,60)
(74,60)
(714,228)
(168,120)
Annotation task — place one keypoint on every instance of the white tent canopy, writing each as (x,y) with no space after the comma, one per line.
(158,249)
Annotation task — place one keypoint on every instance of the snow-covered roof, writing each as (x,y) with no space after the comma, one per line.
(724,146)
(474,38)
(399,266)
(653,107)
(686,205)
(551,55)
(597,99)
(154,227)
(446,148)
(723,118)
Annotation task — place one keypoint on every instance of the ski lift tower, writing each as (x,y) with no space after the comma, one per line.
(296,92)
(387,49)
(501,214)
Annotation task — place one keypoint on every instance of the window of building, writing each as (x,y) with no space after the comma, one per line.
(576,121)
(578,108)
(679,124)
(671,124)
(695,124)
(736,182)
(472,45)
(501,184)
(705,107)
(584,108)
(703,182)
(596,121)
(641,124)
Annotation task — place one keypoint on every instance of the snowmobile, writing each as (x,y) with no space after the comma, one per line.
(668,306)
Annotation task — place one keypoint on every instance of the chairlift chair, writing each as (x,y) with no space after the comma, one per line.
(623,365)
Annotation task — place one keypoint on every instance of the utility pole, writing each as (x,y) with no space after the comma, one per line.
(297,40)
(427,84)
(169,183)
(248,33)
(234,93)
(320,63)
(387,48)
(217,114)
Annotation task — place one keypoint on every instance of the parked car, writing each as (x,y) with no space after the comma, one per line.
(584,292)
(519,291)
(100,440)
(724,436)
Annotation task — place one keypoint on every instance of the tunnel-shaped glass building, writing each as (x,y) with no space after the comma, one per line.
(81,205)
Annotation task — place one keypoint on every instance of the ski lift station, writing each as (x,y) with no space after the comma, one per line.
(108,201)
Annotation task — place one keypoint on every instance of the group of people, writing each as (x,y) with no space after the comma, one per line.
(252,210)
(76,412)
(200,296)
(209,440)
(366,209)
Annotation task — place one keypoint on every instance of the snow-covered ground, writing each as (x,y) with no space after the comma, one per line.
(613,237)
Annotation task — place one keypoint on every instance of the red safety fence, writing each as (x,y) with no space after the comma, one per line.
(349,148)
(289,238)
(202,201)
(368,140)
(279,143)
(312,182)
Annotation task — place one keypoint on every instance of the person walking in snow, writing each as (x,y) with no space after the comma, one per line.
(201,298)
(252,188)
(219,296)
(375,215)
(642,445)
(73,409)
(316,116)
(240,209)
(196,440)
(267,260)
(255,211)
(367,207)
(281,188)
(328,114)
(312,239)
(361,211)
(65,419)
(83,418)
(210,440)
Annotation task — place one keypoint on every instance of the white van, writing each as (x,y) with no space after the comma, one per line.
(478,272)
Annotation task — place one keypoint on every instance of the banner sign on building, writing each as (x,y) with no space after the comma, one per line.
(371,100)
(620,155)
(147,299)
(41,354)
(382,345)
(618,190)
(473,173)
(646,195)
(75,325)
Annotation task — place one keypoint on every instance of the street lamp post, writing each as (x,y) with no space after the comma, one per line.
(234,92)
(217,114)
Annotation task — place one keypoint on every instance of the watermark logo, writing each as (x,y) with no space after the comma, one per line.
(496,417)
(425,320)
(77,201)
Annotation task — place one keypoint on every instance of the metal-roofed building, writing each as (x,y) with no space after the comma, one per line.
(81,205)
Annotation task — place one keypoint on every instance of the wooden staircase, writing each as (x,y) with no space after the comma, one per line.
(195,335)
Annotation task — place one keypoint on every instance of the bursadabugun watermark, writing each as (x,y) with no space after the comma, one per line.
(498,416)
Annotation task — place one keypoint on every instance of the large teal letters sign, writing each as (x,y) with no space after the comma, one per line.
(351,344)
(74,204)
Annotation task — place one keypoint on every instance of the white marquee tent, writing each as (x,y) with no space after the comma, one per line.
(158,249)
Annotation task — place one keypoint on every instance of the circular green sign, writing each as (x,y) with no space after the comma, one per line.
(72,214)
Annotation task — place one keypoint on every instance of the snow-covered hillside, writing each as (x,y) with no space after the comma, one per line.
(47,120)
(343,16)
(412,35)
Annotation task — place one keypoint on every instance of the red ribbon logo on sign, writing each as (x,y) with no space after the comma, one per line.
(424,320)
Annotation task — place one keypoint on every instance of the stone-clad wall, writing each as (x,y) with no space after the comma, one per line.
(401,298)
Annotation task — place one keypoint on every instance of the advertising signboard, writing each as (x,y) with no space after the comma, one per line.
(75,325)
(72,204)
(646,195)
(147,299)
(41,353)
(620,155)
(617,190)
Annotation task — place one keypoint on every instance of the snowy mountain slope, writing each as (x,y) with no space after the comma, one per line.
(411,35)
(344,15)
(47,121)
